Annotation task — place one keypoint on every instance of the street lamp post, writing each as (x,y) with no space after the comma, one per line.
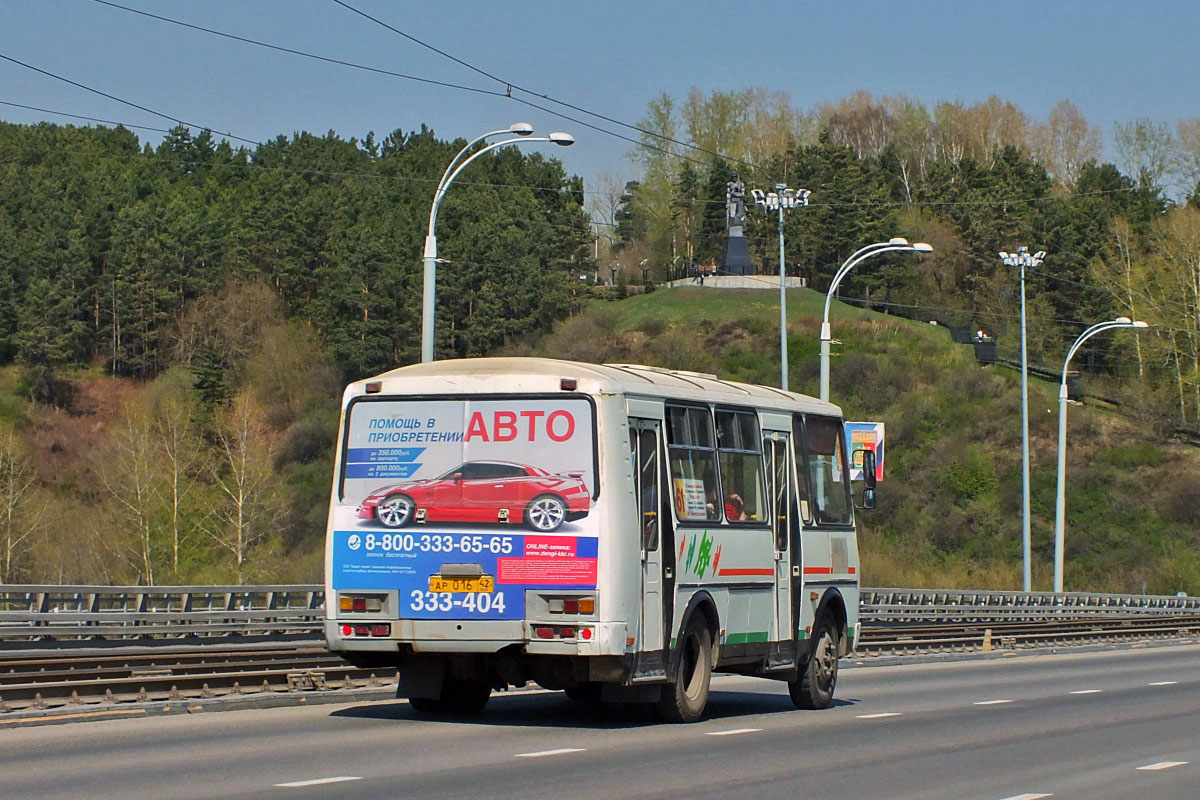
(521,131)
(782,198)
(897,244)
(1023,259)
(1060,510)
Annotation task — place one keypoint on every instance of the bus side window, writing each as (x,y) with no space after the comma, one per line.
(647,446)
(776,450)
(694,489)
(830,482)
(740,457)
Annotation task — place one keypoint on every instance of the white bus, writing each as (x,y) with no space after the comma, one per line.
(618,532)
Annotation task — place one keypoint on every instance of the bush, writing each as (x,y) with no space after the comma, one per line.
(972,475)
(48,388)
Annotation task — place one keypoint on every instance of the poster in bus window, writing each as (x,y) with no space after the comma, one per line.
(862,436)
(690,501)
(462,505)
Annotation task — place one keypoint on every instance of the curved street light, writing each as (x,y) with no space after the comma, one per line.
(521,133)
(1060,511)
(897,244)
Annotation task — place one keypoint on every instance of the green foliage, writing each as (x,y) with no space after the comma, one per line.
(949,507)
(970,474)
(104,245)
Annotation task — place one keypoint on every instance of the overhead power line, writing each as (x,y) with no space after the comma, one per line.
(301,53)
(129,103)
(507,94)
(81,116)
(510,86)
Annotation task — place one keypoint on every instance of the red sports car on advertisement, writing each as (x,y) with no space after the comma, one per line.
(483,491)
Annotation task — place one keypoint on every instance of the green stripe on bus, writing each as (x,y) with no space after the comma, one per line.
(746,638)
(802,635)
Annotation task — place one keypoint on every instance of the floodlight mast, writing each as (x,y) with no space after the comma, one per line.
(1023,259)
(779,200)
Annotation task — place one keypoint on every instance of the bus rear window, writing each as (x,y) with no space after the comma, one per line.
(392,444)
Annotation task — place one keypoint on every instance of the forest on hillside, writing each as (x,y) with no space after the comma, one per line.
(176,319)
(973,180)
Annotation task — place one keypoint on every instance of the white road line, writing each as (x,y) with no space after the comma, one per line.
(733,732)
(998,703)
(1028,796)
(1087,691)
(1163,765)
(560,751)
(319,781)
(1163,683)
(880,715)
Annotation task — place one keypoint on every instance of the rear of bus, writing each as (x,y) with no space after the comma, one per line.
(463,541)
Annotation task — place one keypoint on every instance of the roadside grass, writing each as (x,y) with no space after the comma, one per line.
(949,512)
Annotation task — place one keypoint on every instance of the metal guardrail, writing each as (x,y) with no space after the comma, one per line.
(77,613)
(31,613)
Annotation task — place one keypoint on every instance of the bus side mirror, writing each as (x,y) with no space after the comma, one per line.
(868,467)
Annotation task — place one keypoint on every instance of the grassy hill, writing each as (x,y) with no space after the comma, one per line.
(949,510)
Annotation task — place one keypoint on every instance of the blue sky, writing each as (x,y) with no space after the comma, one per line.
(1115,60)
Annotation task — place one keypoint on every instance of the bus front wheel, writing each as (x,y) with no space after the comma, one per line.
(684,699)
(814,688)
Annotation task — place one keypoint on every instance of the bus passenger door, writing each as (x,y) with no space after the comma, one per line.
(658,583)
(783,520)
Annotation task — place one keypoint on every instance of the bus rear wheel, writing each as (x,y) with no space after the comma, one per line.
(814,688)
(685,698)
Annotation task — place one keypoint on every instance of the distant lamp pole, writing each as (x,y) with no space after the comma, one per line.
(781,199)
(521,132)
(613,269)
(645,271)
(1060,511)
(895,245)
(1023,259)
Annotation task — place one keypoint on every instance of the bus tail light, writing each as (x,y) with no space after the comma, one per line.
(585,633)
(384,629)
(362,630)
(544,633)
(566,633)
(360,604)
(571,605)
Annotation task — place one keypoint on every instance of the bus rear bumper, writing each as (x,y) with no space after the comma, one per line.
(483,636)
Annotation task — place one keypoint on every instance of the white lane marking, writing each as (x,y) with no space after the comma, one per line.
(733,731)
(1087,691)
(319,781)
(1028,796)
(560,751)
(1163,683)
(997,703)
(1164,765)
(880,715)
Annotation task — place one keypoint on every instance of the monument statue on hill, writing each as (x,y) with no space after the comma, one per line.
(736,258)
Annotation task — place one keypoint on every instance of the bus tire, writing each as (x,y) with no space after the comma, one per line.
(546,513)
(395,511)
(685,698)
(814,688)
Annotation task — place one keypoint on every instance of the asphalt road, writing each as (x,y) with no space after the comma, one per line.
(1122,724)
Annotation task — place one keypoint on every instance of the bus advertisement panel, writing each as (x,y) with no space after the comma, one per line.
(463,505)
